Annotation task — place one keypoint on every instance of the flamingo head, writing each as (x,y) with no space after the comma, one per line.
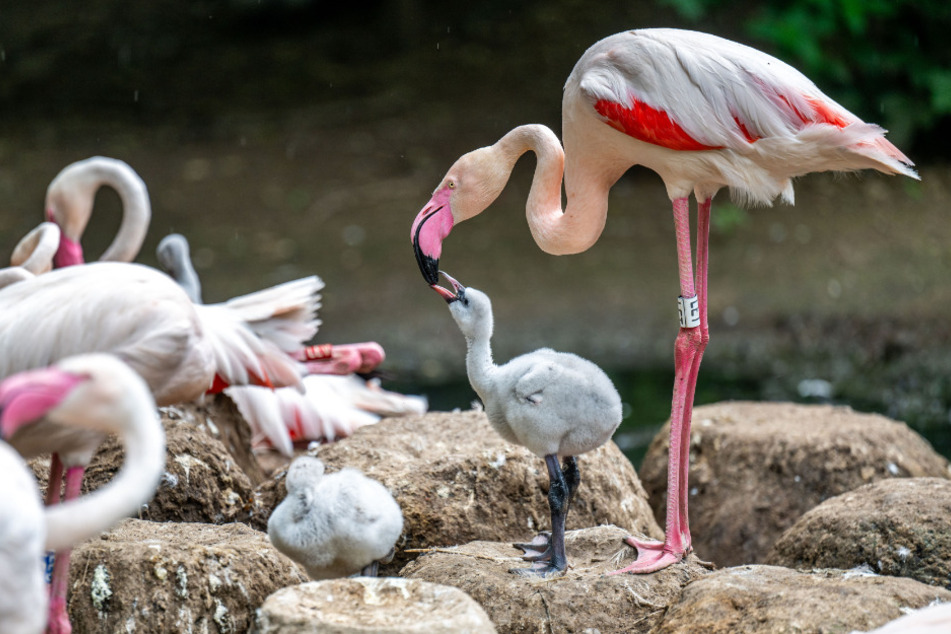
(457,293)
(29,396)
(470,307)
(69,202)
(473,182)
(91,391)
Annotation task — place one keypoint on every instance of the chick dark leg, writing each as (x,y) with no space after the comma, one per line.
(553,561)
(539,549)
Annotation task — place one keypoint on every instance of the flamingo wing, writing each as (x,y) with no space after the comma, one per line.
(693,91)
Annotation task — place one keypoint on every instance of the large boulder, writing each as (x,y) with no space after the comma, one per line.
(457,481)
(755,468)
(895,527)
(754,599)
(380,605)
(585,599)
(148,577)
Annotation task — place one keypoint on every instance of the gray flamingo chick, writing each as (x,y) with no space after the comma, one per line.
(334,525)
(555,404)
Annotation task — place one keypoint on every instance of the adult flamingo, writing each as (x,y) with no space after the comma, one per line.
(59,407)
(69,203)
(144,318)
(329,407)
(704,113)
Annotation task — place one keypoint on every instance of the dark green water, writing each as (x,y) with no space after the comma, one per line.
(646,394)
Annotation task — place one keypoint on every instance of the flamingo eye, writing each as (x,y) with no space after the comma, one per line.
(452,185)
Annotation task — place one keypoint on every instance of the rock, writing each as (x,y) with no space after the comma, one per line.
(379,605)
(457,481)
(585,599)
(895,527)
(202,481)
(175,577)
(755,468)
(220,416)
(760,598)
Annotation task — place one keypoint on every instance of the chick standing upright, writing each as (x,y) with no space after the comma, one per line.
(555,404)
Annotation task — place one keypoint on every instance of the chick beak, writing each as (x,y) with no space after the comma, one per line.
(450,296)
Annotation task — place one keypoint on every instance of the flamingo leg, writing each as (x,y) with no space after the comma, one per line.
(539,549)
(54,485)
(688,351)
(59,618)
(553,561)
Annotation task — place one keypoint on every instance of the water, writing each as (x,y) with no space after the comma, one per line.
(646,395)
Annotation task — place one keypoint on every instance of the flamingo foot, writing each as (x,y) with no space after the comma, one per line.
(542,569)
(58,617)
(652,556)
(370,570)
(539,549)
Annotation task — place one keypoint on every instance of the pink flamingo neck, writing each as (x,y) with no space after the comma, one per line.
(558,230)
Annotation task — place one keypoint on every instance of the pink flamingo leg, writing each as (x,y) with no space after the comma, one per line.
(59,617)
(688,352)
(55,484)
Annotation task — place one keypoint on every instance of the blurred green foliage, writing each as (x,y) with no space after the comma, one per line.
(886,60)
(889,61)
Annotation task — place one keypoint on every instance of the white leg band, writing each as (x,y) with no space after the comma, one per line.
(689,308)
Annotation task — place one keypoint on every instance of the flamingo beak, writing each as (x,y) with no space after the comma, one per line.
(28,396)
(430,228)
(458,290)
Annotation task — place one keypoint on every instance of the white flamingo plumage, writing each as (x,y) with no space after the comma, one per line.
(23,594)
(64,404)
(333,404)
(69,203)
(704,113)
(330,407)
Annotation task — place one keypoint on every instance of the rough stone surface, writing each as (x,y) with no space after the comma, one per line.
(896,527)
(148,577)
(379,605)
(750,599)
(220,417)
(755,468)
(585,599)
(457,481)
(202,481)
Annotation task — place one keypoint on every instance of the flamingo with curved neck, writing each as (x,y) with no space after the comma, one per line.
(704,113)
(69,203)
(97,394)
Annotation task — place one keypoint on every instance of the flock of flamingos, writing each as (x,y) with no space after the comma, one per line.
(92,349)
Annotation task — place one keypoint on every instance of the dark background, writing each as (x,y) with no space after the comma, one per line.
(293,137)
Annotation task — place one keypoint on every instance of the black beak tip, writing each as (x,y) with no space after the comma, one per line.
(428,266)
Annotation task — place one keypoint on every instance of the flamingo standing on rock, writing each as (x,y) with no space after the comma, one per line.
(60,406)
(555,404)
(704,113)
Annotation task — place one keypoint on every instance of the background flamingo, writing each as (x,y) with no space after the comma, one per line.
(62,406)
(144,318)
(69,203)
(32,255)
(704,113)
(329,407)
